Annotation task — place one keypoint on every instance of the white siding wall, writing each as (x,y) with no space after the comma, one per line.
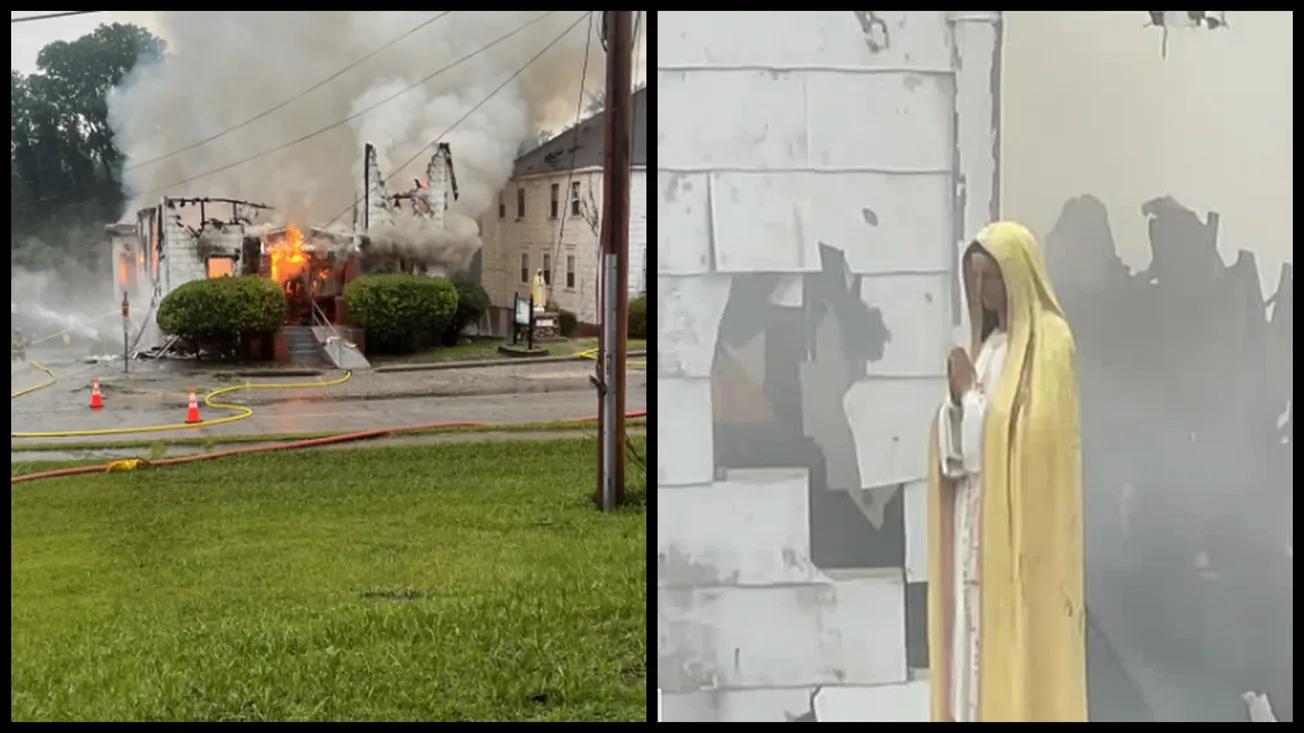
(181,263)
(778,132)
(506,239)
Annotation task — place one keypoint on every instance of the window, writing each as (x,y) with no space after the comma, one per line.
(220,266)
(547,267)
(554,196)
(575,198)
(502,206)
(525,268)
(570,272)
(520,203)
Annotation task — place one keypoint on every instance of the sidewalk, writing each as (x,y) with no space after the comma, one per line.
(432,380)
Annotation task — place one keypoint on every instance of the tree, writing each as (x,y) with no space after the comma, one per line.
(64,167)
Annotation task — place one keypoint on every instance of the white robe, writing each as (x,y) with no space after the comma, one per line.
(960,436)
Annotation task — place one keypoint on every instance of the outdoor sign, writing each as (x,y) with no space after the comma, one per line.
(522,312)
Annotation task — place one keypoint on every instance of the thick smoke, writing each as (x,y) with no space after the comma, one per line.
(451,245)
(224,68)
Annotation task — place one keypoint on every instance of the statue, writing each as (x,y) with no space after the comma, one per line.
(1006,606)
(540,291)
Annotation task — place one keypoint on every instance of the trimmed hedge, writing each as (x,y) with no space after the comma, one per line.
(636,326)
(218,311)
(401,312)
(567,324)
(472,302)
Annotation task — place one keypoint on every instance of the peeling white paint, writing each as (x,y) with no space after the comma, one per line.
(780,132)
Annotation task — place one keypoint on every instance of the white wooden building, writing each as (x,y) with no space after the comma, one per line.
(547,217)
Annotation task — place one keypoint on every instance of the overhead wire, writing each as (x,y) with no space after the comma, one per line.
(350,118)
(52,16)
(296,97)
(398,169)
(638,27)
(575,142)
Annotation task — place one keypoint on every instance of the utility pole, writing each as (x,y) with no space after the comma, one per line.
(617,30)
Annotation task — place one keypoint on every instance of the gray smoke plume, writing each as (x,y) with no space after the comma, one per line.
(224,68)
(412,237)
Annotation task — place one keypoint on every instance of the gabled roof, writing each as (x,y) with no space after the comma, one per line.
(555,155)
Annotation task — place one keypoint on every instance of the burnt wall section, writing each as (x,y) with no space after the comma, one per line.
(1187,421)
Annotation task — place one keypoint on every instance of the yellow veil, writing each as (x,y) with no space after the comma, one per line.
(1032,649)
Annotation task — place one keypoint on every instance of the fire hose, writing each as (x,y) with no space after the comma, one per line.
(50,382)
(244,412)
(132,464)
(241,411)
(592,354)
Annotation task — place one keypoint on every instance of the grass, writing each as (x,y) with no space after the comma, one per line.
(245,438)
(460,582)
(488,349)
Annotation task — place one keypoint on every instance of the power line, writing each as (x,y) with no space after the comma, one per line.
(282,105)
(575,144)
(346,120)
(638,26)
(471,111)
(51,16)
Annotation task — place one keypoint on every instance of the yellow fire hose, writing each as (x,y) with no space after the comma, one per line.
(593,354)
(241,411)
(52,379)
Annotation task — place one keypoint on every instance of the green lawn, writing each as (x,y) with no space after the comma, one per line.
(458,582)
(158,446)
(488,349)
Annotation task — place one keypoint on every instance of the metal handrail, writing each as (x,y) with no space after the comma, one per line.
(319,318)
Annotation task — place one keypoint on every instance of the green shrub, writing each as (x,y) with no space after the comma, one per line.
(401,312)
(567,323)
(218,311)
(637,323)
(472,302)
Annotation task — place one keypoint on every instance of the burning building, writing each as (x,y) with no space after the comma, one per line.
(406,231)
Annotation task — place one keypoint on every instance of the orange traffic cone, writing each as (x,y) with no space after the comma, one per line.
(192,412)
(97,399)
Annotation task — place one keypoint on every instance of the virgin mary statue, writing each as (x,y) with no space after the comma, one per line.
(1005,599)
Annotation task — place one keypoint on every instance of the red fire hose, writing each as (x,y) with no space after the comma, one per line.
(133,464)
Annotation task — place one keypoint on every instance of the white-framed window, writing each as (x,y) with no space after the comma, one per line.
(575,198)
(570,272)
(554,200)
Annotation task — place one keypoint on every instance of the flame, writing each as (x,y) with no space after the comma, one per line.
(122,270)
(321,279)
(287,256)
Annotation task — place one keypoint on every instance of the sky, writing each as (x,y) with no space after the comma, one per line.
(29,38)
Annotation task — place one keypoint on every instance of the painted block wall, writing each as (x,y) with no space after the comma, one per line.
(817,173)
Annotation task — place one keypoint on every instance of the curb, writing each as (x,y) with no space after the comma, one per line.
(512,361)
(520,386)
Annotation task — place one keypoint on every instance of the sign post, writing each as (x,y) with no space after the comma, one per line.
(523,317)
(126,334)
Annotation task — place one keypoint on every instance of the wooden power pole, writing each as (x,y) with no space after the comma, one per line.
(614,268)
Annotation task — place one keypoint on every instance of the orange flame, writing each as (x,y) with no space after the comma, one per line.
(287,256)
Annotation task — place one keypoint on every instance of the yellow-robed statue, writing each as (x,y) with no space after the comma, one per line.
(540,291)
(1006,609)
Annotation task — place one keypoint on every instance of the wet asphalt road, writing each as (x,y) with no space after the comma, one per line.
(65,406)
